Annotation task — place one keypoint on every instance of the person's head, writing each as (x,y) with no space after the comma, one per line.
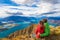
(44,20)
(41,22)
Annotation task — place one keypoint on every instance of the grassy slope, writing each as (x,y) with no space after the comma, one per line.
(26,34)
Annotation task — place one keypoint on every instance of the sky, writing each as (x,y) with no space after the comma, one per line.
(29,8)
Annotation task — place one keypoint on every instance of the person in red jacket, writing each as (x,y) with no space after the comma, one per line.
(40,29)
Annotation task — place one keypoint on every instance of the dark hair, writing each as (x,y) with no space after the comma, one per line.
(41,22)
(44,20)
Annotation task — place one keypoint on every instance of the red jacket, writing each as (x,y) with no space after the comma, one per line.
(39,30)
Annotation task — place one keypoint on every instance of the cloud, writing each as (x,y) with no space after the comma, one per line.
(27,11)
(5,9)
(3,12)
(51,1)
(19,1)
(43,7)
(56,8)
(54,15)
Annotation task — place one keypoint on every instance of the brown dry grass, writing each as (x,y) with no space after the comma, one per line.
(26,34)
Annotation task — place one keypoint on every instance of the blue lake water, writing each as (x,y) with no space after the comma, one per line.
(12,30)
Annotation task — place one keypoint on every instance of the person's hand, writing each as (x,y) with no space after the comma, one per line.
(40,34)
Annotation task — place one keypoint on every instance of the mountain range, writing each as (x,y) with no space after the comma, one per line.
(51,20)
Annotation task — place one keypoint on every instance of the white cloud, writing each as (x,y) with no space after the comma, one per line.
(3,13)
(19,1)
(5,9)
(56,8)
(27,11)
(43,7)
(53,15)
